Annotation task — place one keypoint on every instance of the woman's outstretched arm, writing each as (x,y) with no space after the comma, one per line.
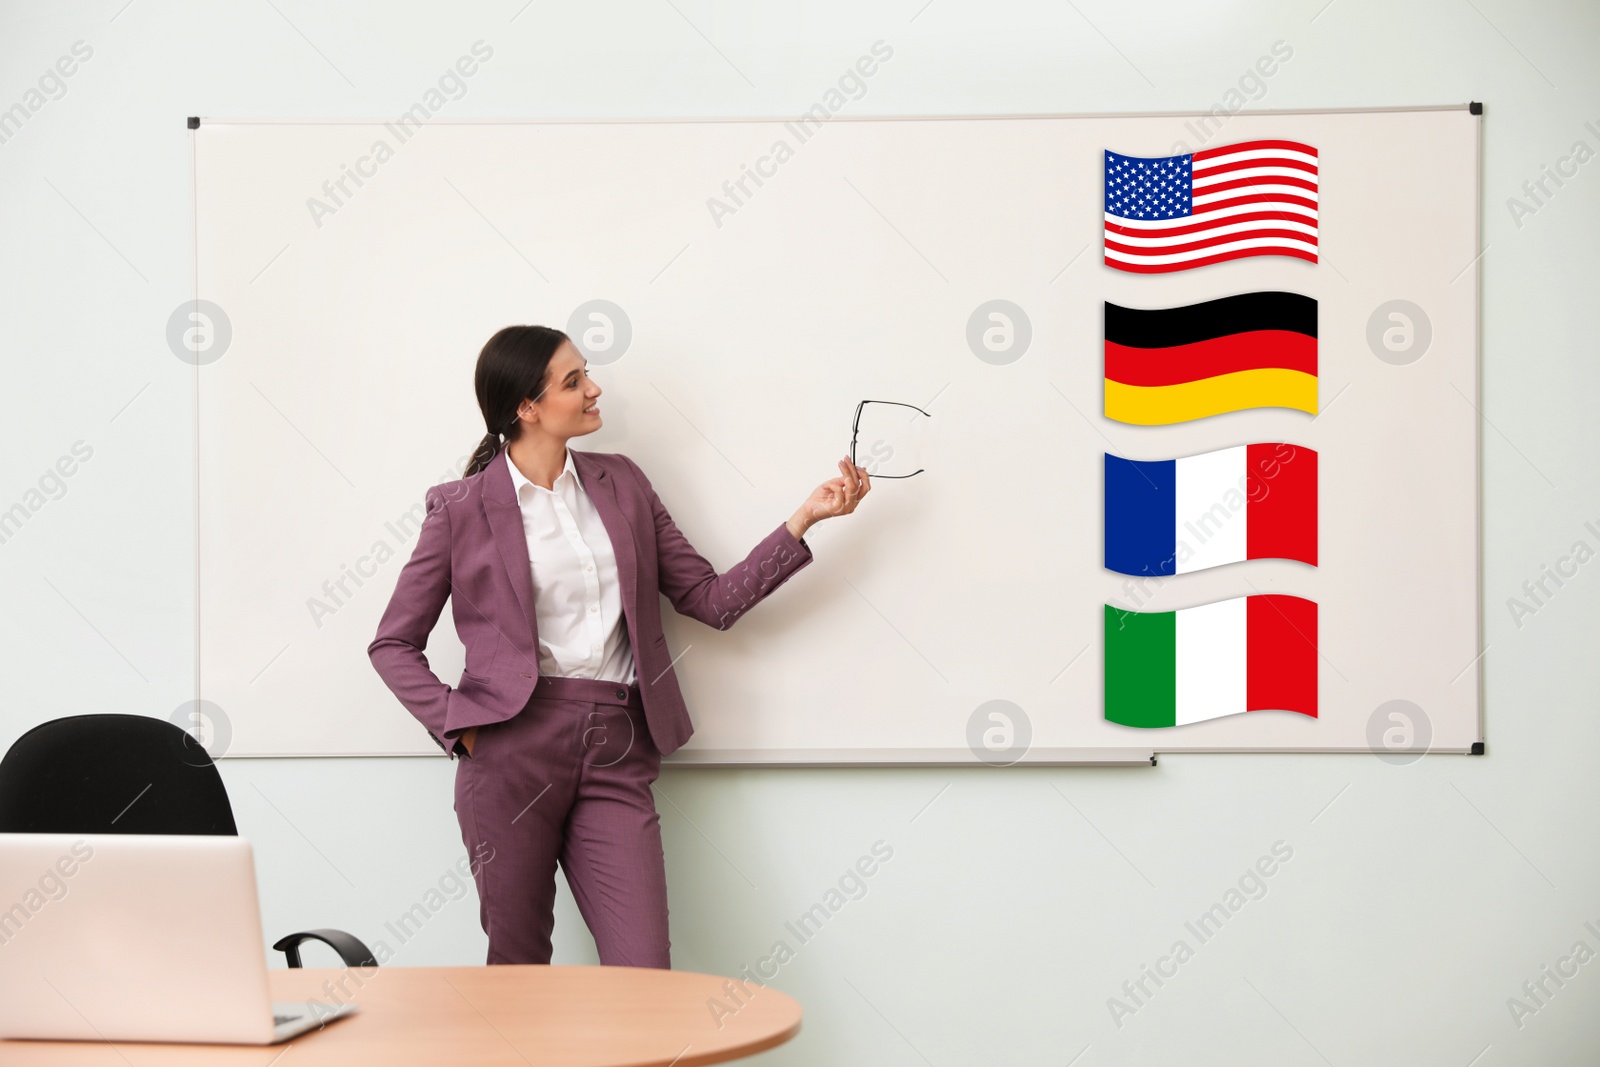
(693,584)
(719,600)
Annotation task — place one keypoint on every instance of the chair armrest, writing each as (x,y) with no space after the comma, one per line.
(349,947)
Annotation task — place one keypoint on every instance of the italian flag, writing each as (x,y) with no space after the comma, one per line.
(1253,653)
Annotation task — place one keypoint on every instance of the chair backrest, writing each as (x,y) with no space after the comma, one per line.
(112,774)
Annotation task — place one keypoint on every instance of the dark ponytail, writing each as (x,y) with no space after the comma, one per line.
(511,369)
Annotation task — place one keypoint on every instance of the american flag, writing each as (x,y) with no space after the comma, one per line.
(1255,198)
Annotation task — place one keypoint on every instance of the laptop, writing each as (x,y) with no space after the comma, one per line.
(138,937)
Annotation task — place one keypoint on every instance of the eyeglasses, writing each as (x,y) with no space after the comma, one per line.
(855,430)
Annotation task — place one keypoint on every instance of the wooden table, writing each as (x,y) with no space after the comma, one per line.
(511,1015)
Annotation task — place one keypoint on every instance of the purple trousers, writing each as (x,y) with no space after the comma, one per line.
(567,780)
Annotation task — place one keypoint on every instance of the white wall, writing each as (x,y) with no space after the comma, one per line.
(1418,898)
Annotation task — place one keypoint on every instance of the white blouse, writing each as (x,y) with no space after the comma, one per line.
(576,590)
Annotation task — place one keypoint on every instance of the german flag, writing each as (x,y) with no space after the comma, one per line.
(1254,350)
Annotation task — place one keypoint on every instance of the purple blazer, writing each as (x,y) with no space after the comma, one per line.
(472,550)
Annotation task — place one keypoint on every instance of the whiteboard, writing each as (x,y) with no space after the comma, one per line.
(342,318)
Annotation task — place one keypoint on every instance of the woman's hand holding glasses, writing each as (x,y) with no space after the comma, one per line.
(836,496)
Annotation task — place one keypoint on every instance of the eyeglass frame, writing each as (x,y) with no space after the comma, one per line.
(855,428)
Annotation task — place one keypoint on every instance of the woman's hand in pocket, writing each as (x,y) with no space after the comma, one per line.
(468,738)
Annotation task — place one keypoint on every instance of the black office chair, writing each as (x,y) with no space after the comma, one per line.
(129,774)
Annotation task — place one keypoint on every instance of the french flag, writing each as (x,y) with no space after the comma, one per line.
(1174,516)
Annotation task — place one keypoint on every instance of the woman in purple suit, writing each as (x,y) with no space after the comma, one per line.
(554,561)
